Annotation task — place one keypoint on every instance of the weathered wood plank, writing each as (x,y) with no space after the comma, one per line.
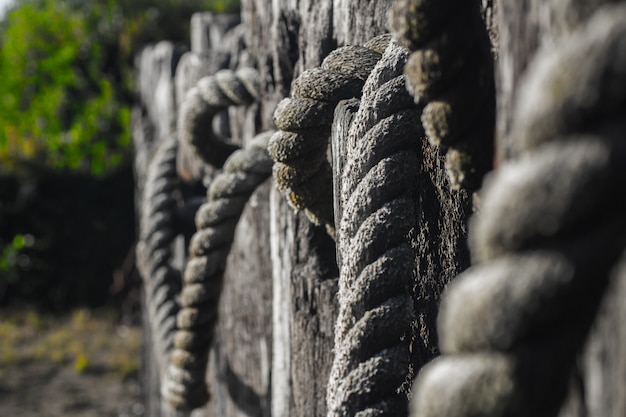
(274,342)
(239,369)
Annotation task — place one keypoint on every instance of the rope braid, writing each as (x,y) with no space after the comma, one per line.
(550,231)
(154,249)
(451,75)
(302,170)
(203,101)
(244,171)
(373,330)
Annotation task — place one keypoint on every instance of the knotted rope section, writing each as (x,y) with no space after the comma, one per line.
(203,101)
(451,74)
(373,330)
(300,148)
(184,386)
(550,231)
(154,249)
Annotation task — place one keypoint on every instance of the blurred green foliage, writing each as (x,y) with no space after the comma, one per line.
(58,103)
(66,72)
(66,184)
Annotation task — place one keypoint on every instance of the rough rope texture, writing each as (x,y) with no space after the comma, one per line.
(451,75)
(550,231)
(184,386)
(154,249)
(203,101)
(300,148)
(373,330)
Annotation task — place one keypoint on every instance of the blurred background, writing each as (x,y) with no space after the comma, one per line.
(68,286)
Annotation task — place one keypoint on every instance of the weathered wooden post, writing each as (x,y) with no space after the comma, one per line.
(273,347)
(274,342)
(597,385)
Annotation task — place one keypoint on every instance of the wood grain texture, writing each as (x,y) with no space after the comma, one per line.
(284,39)
(277,313)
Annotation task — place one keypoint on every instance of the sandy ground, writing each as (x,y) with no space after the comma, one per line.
(80,365)
(49,390)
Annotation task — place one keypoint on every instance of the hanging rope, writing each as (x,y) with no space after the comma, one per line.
(154,249)
(451,75)
(163,282)
(373,330)
(203,101)
(550,231)
(299,149)
(184,386)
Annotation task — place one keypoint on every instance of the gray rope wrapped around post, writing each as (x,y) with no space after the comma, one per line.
(203,101)
(451,74)
(373,331)
(184,386)
(299,149)
(550,231)
(154,249)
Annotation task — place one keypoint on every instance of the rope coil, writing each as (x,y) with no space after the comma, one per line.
(451,75)
(299,149)
(182,319)
(548,236)
(373,329)
(177,332)
(184,386)
(203,101)
(154,249)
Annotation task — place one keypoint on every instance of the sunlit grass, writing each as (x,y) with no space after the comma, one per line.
(85,341)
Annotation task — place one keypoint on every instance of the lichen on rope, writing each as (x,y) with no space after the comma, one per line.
(373,330)
(300,148)
(550,232)
(451,74)
(154,249)
(184,386)
(203,101)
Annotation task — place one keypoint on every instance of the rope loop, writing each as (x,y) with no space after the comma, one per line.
(450,73)
(202,102)
(182,306)
(550,232)
(301,169)
(184,387)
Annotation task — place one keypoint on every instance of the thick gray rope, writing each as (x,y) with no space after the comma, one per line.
(550,231)
(154,249)
(185,386)
(451,75)
(302,170)
(373,331)
(203,101)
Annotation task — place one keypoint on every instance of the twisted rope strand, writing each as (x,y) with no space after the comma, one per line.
(154,249)
(244,171)
(203,101)
(550,231)
(373,329)
(302,170)
(451,74)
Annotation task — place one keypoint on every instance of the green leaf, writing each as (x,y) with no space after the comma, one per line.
(19,242)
